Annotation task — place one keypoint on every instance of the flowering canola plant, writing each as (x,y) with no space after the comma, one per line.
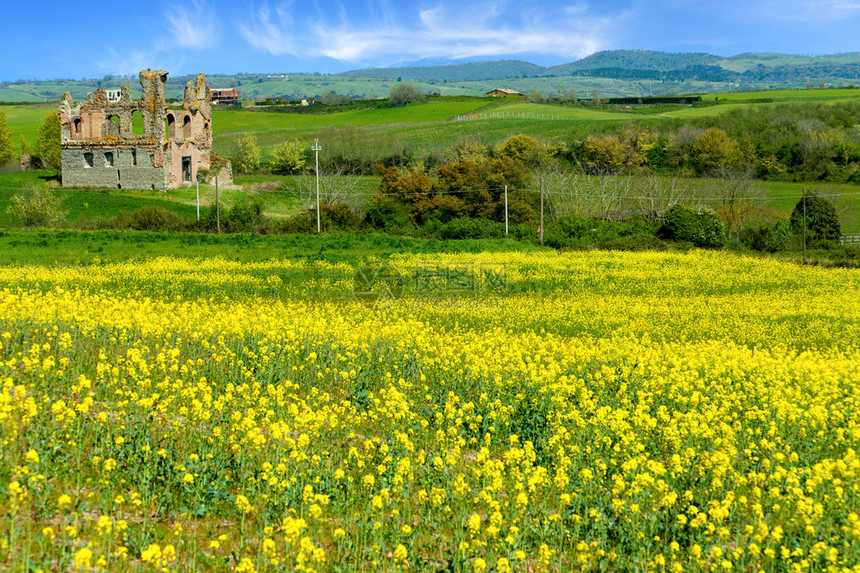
(651,412)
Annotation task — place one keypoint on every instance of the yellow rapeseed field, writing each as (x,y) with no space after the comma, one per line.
(599,411)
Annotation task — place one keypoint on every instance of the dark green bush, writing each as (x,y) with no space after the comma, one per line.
(154,218)
(243,217)
(301,223)
(822,221)
(768,238)
(339,217)
(701,227)
(576,231)
(389,215)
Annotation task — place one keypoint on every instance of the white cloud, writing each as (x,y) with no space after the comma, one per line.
(469,29)
(193,25)
(271,31)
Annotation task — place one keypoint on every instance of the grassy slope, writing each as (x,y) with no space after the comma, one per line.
(24,120)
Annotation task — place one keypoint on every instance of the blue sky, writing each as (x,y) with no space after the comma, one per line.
(69,40)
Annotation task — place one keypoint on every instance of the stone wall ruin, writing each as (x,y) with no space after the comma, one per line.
(101,147)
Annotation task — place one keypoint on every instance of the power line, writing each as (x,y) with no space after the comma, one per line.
(569,194)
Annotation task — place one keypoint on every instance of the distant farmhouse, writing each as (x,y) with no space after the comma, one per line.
(101,148)
(503,92)
(225,96)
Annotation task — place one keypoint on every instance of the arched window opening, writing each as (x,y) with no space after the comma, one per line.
(186,127)
(76,127)
(137,123)
(114,126)
(88,159)
(171,126)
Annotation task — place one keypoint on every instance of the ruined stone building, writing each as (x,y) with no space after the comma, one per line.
(103,145)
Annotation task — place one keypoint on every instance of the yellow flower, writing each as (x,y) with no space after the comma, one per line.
(83,559)
(151,554)
(400,553)
(104,525)
(243,504)
(475,524)
(32,457)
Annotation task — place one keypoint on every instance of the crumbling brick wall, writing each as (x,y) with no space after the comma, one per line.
(102,148)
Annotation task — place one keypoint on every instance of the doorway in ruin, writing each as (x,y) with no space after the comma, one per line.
(186,168)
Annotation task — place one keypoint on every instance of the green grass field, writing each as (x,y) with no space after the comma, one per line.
(787,96)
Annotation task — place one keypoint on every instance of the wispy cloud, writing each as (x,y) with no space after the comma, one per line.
(193,25)
(469,29)
(270,29)
(130,63)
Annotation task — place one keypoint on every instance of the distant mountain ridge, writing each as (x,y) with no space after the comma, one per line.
(614,73)
(643,64)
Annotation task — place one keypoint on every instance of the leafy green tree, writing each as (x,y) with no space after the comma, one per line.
(248,154)
(604,154)
(7,152)
(524,149)
(714,150)
(404,93)
(822,220)
(288,158)
(48,143)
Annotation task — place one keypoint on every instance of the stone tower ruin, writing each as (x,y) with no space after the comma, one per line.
(100,147)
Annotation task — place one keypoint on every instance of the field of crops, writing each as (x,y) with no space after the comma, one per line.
(508,412)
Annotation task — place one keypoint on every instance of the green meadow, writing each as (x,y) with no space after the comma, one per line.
(418,129)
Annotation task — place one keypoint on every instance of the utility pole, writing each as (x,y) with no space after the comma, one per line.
(804,225)
(316,149)
(506,210)
(541,212)
(217,206)
(198,199)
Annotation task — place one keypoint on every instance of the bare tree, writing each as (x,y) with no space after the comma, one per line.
(656,195)
(336,187)
(584,192)
(738,195)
